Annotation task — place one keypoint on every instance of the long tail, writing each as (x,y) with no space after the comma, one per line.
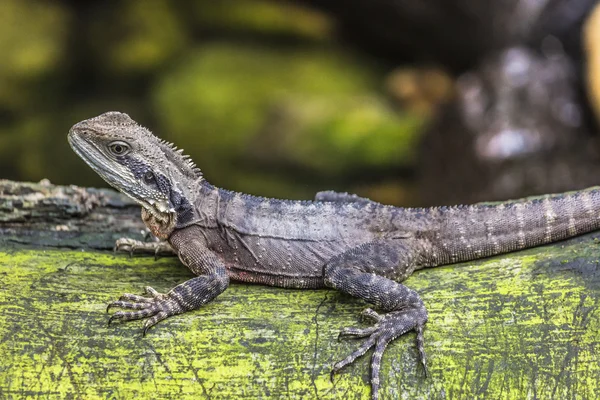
(481,230)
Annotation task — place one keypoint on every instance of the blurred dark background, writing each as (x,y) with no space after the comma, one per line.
(407,102)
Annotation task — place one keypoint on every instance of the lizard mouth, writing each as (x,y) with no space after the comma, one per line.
(93,157)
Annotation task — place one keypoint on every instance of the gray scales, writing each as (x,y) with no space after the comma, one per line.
(340,240)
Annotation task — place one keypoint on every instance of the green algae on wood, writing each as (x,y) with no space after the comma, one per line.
(522,325)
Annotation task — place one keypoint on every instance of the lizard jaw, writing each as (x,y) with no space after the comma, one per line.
(158,209)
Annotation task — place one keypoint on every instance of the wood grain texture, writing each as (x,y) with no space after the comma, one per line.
(46,215)
(524,325)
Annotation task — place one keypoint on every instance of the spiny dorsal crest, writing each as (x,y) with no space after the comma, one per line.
(182,161)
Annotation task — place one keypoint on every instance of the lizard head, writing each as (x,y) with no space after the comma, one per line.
(130,158)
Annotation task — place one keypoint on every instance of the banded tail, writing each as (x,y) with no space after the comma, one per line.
(482,230)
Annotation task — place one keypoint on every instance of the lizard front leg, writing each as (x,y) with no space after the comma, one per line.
(158,229)
(190,295)
(132,246)
(359,272)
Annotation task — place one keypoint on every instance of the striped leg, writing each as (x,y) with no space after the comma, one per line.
(405,309)
(189,295)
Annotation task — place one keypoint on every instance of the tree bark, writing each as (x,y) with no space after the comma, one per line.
(44,215)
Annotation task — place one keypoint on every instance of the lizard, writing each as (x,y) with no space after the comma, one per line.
(339,241)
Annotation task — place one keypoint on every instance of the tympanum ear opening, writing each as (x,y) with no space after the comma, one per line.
(149,177)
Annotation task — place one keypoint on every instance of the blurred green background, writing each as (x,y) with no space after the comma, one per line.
(260,93)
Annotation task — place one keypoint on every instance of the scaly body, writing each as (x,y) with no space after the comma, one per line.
(340,241)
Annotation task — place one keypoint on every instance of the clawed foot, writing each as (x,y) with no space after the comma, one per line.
(135,246)
(387,328)
(155,308)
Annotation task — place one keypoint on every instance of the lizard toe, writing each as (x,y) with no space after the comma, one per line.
(153,292)
(356,332)
(154,320)
(387,328)
(369,314)
(155,308)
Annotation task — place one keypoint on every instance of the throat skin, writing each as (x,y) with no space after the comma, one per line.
(340,241)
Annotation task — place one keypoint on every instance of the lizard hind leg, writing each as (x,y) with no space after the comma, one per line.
(405,309)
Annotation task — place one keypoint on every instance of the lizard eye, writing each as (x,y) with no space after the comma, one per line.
(118,148)
(149,177)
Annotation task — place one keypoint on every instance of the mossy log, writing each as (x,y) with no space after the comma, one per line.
(524,325)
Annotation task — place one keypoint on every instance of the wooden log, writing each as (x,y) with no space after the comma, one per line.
(45,215)
(523,325)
